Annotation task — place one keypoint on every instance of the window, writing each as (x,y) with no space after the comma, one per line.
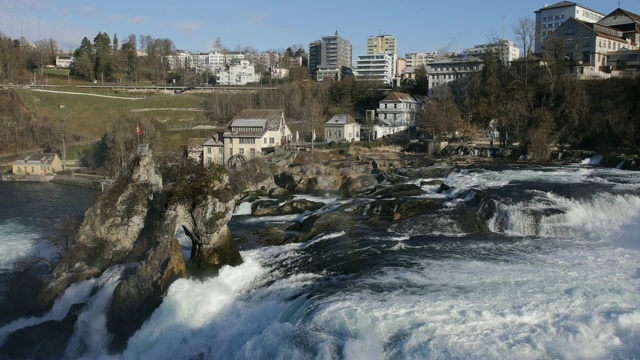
(569,31)
(570,43)
(241,151)
(339,134)
(208,161)
(272,141)
(328,133)
(264,141)
(230,152)
(586,41)
(252,152)
(220,151)
(208,150)
(32,171)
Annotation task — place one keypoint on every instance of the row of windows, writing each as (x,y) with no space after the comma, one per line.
(247,140)
(547,18)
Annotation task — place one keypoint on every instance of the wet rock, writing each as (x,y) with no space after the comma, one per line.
(291,207)
(47,340)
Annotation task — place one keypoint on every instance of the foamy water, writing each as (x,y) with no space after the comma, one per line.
(557,278)
(15,242)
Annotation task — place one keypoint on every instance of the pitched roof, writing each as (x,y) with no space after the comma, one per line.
(270,118)
(562,4)
(559,5)
(35,158)
(212,142)
(632,16)
(341,119)
(196,142)
(398,96)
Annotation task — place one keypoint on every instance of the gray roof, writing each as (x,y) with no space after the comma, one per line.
(212,142)
(341,119)
(35,158)
(270,118)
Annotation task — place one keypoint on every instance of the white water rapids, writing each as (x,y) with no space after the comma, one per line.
(558,277)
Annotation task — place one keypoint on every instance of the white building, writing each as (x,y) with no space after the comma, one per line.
(64,61)
(451,74)
(550,17)
(238,74)
(505,51)
(342,127)
(395,114)
(376,67)
(213,151)
(253,130)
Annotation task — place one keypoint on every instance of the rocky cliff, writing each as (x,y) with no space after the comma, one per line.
(135,223)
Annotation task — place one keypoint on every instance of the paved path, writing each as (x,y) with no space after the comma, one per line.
(88,94)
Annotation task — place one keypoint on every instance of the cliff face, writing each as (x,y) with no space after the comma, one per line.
(135,223)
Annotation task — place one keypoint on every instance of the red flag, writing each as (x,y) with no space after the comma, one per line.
(138,131)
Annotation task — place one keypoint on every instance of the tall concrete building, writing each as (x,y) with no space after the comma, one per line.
(550,17)
(333,52)
(381,44)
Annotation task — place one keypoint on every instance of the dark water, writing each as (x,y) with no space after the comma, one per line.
(29,210)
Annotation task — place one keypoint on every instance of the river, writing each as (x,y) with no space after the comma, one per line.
(557,276)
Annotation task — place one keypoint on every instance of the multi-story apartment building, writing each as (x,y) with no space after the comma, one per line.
(333,51)
(504,50)
(214,62)
(376,67)
(550,17)
(381,44)
(451,74)
(238,73)
(416,59)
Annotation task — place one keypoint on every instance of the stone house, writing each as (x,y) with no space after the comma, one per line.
(213,151)
(33,163)
(342,127)
(253,130)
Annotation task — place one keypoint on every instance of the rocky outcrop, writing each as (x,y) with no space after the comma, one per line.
(135,222)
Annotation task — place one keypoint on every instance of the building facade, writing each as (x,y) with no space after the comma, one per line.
(376,67)
(342,127)
(382,44)
(253,130)
(397,109)
(213,151)
(550,17)
(587,47)
(333,51)
(33,163)
(416,59)
(238,73)
(449,75)
(504,51)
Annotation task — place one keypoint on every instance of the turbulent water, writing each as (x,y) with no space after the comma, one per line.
(557,276)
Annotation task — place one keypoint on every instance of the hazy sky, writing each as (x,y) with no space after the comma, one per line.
(193,25)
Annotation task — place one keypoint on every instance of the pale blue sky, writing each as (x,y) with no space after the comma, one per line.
(277,24)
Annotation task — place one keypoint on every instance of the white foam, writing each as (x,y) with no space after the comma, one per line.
(219,316)
(244,208)
(599,214)
(75,294)
(15,242)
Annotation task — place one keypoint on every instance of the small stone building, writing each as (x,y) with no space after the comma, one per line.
(342,127)
(33,163)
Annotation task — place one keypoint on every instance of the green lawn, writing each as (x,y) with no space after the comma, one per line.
(89,114)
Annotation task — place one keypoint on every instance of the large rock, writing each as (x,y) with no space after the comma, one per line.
(135,222)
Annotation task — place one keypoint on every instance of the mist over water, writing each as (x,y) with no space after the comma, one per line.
(557,276)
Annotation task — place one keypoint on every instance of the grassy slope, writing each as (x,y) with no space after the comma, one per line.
(89,114)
